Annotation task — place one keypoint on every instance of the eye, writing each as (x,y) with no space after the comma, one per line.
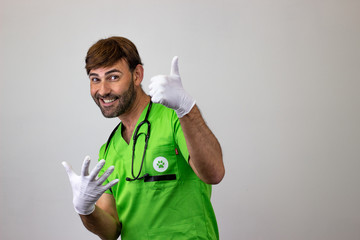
(113,77)
(94,80)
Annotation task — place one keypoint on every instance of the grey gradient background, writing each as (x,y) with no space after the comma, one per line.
(277,82)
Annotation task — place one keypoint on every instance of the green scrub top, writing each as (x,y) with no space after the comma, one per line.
(175,204)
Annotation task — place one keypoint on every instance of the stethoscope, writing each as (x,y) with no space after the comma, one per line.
(135,137)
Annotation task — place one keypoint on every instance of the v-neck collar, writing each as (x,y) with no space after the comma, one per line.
(141,118)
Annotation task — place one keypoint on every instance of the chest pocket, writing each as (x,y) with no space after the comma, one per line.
(162,167)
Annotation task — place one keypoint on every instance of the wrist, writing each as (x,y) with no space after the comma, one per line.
(85,211)
(185,107)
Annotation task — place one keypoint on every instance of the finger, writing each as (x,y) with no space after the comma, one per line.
(85,166)
(106,174)
(152,86)
(174,67)
(159,79)
(157,90)
(110,184)
(68,168)
(152,92)
(97,169)
(157,97)
(157,86)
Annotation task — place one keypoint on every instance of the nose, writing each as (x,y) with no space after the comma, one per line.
(104,88)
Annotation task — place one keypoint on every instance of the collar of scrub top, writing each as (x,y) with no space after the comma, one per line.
(135,137)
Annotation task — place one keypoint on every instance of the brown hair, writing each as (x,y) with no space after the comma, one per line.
(107,52)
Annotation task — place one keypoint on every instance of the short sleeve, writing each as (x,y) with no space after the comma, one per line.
(180,138)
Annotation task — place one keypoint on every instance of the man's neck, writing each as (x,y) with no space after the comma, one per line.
(130,118)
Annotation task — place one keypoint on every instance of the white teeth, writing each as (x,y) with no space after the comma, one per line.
(108,100)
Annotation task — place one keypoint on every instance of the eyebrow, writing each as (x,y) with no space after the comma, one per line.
(107,73)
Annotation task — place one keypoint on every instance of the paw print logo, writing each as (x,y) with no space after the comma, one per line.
(160,164)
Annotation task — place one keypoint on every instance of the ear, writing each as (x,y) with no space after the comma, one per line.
(138,74)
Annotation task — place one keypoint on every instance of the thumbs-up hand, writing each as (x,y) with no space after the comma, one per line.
(168,90)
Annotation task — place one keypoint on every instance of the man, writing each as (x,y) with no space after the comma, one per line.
(157,167)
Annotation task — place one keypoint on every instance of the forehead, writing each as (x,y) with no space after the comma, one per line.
(120,65)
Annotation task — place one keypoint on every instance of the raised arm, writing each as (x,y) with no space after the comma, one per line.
(104,221)
(101,219)
(204,149)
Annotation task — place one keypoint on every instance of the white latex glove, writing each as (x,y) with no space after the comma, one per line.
(87,188)
(168,91)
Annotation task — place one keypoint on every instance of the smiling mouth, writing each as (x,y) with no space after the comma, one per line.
(108,100)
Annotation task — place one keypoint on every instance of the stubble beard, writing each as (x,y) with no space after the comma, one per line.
(125,102)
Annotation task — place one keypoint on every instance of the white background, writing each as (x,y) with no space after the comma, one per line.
(277,82)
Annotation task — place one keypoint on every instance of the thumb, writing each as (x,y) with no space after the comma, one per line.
(175,67)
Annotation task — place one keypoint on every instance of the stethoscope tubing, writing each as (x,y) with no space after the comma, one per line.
(135,137)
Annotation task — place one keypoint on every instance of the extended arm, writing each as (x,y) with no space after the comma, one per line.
(204,149)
